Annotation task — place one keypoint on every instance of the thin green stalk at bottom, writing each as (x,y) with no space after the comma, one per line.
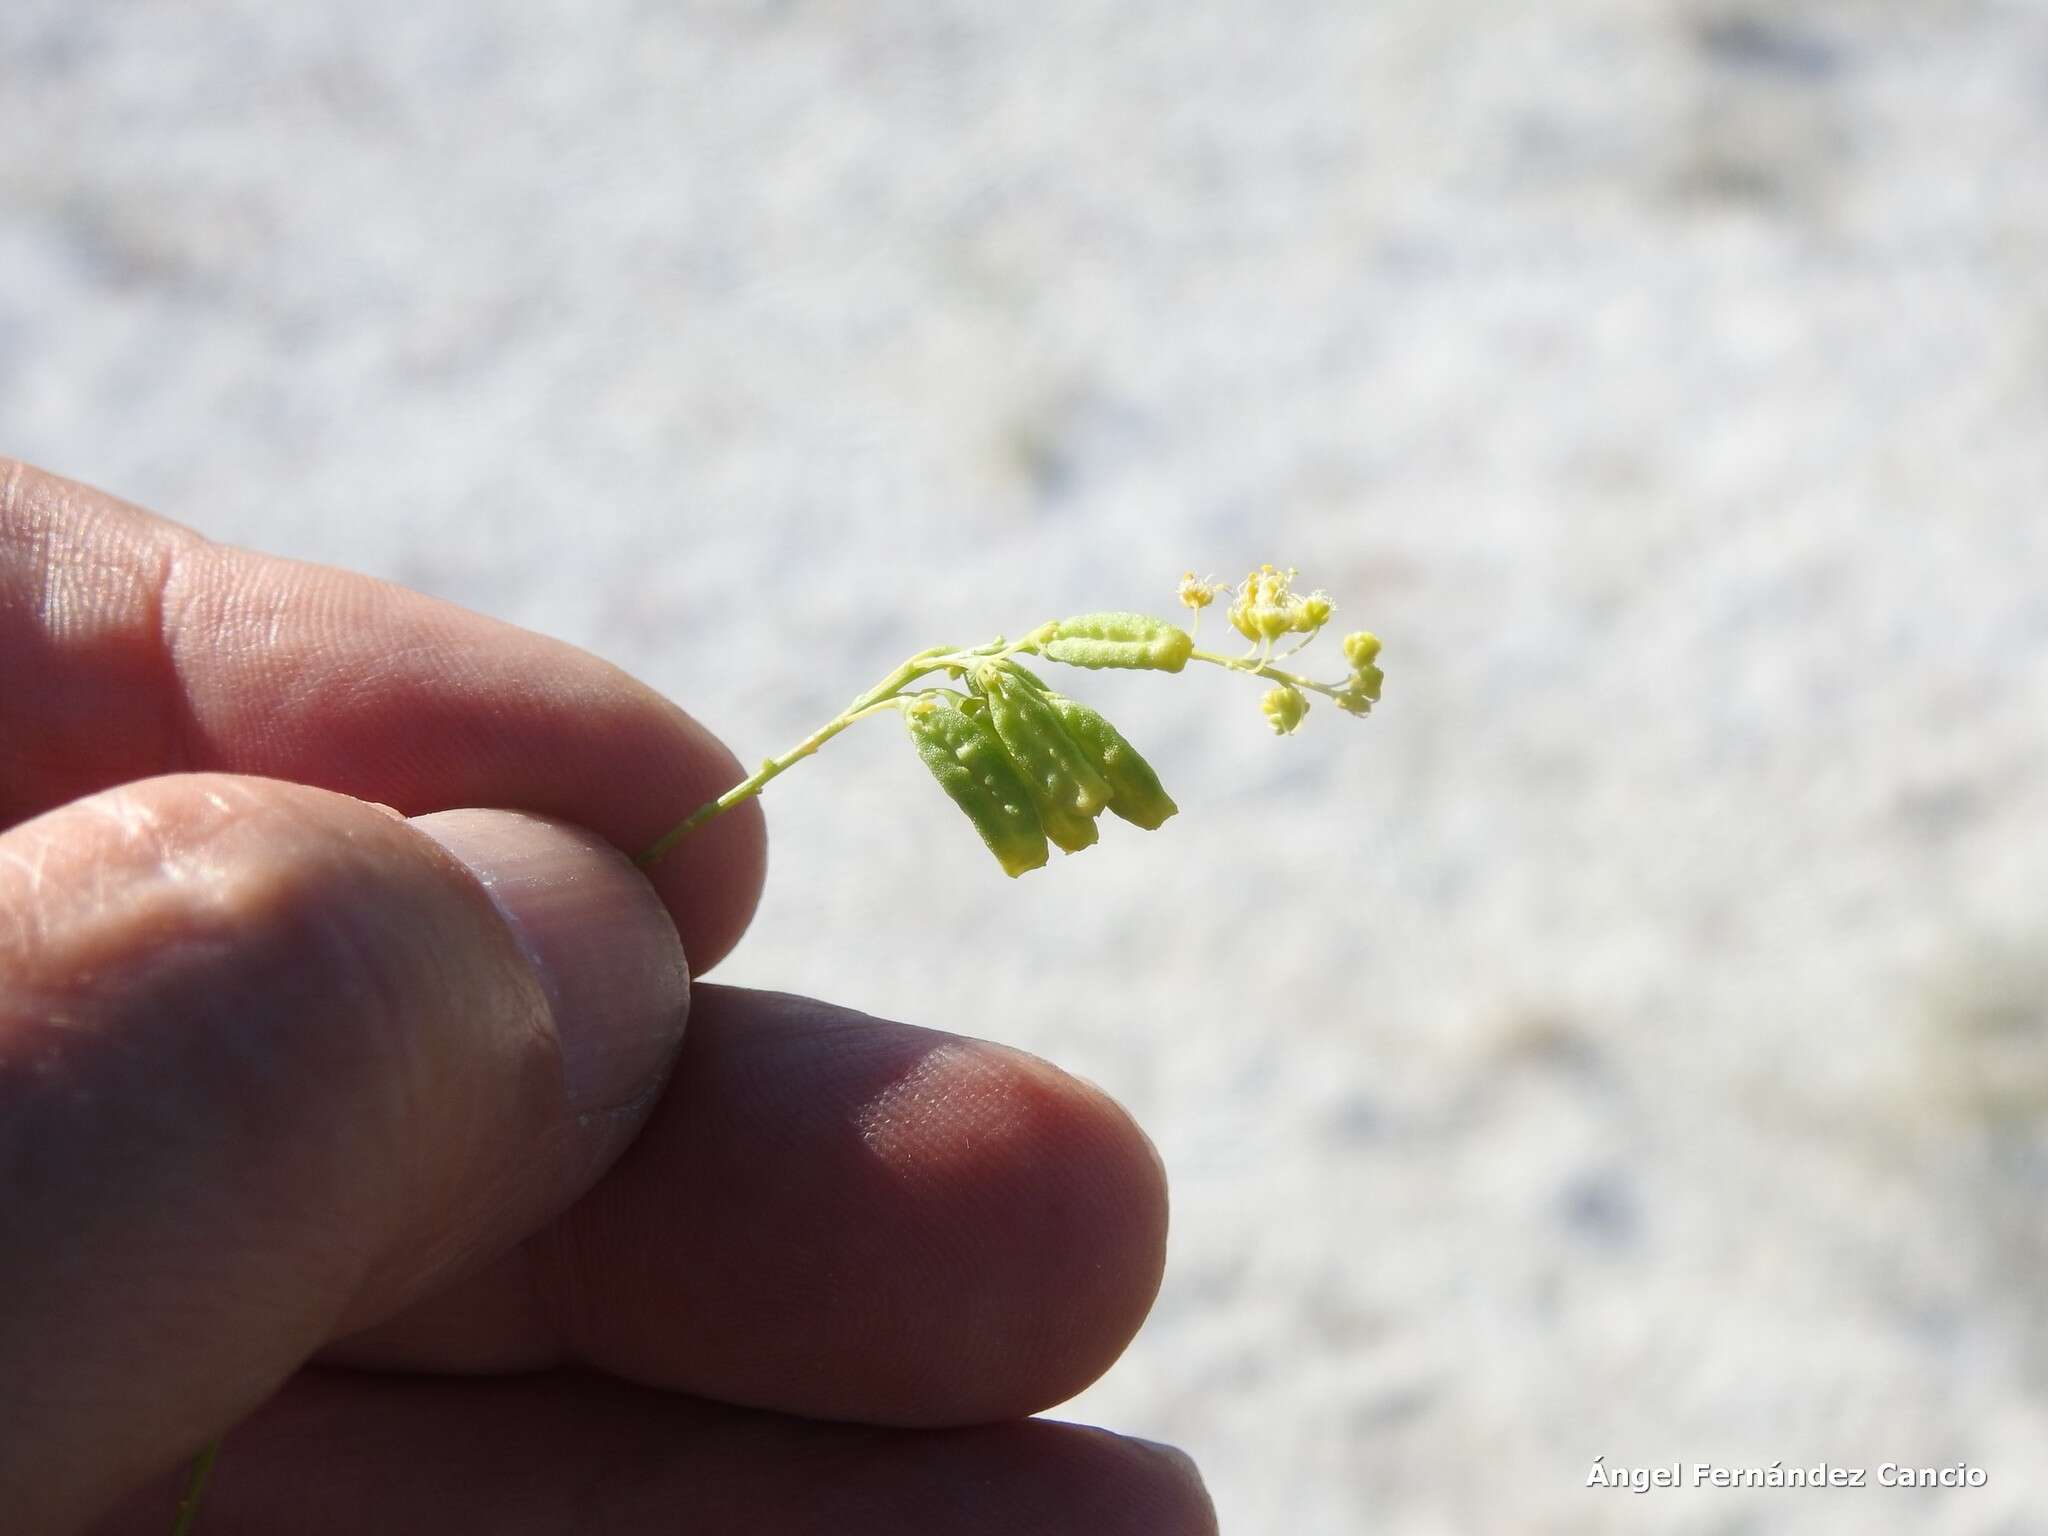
(886,694)
(195,1487)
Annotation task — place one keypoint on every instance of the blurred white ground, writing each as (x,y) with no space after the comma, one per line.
(1634,1040)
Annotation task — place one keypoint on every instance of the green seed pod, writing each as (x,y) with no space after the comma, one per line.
(1135,791)
(1069,829)
(1013,665)
(966,757)
(1118,640)
(1066,791)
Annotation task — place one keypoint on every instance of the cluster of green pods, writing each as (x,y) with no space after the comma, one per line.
(1028,765)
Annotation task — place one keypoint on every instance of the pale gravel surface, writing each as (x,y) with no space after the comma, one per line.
(1630,1042)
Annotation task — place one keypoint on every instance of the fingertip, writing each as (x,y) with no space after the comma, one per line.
(1061,1204)
(1059,1200)
(836,1215)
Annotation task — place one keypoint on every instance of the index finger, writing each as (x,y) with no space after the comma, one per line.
(137,647)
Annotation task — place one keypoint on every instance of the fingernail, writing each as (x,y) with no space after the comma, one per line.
(596,935)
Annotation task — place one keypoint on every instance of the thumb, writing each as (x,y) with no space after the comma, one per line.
(273,1063)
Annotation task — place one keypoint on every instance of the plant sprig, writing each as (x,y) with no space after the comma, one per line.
(1027,764)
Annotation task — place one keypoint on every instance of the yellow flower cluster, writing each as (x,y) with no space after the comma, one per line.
(1267,607)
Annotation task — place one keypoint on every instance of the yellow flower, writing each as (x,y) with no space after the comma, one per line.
(1267,608)
(1264,609)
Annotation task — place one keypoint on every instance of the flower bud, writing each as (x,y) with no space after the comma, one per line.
(1361,648)
(1285,708)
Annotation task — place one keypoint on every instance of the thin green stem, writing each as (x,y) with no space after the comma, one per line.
(195,1487)
(884,695)
(1259,668)
(1300,644)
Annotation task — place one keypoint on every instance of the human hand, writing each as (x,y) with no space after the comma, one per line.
(380,1141)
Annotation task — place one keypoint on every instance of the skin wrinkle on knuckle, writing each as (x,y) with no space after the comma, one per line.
(10,489)
(23,909)
(268,946)
(95,873)
(90,577)
(211,1092)
(268,976)
(177,551)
